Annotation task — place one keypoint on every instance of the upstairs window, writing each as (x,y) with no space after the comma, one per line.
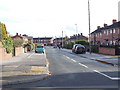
(114,30)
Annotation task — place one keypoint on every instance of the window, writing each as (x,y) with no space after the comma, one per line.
(114,30)
(107,32)
(110,31)
(110,42)
(100,34)
(104,32)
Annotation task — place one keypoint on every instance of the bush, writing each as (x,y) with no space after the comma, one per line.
(69,45)
(95,49)
(30,46)
(8,44)
(18,42)
(83,42)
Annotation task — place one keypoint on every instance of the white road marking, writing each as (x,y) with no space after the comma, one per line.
(73,60)
(112,78)
(69,58)
(66,57)
(83,65)
(30,55)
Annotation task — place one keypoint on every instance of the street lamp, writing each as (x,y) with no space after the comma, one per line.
(62,39)
(89,26)
(76,32)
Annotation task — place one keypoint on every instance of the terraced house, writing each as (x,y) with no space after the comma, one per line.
(43,40)
(107,35)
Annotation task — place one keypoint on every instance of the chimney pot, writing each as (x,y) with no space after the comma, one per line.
(114,21)
(98,27)
(105,25)
(81,34)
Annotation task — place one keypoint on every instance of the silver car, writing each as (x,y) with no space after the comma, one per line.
(78,48)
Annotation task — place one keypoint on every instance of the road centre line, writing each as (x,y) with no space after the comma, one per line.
(83,65)
(70,58)
(114,78)
(73,60)
(30,55)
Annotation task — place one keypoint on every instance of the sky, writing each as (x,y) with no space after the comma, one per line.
(48,18)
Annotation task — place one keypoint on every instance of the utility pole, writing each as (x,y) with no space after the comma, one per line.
(76,32)
(62,39)
(89,26)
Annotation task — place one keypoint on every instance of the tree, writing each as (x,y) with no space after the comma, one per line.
(4,31)
(7,41)
(0,31)
(18,42)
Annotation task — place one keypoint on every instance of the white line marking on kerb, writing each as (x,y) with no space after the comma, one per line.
(112,78)
(30,55)
(83,65)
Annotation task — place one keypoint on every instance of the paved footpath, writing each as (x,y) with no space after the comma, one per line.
(24,68)
(107,59)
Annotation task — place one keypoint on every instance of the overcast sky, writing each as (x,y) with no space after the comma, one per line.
(40,18)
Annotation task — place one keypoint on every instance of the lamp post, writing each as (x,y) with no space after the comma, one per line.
(76,32)
(62,39)
(89,26)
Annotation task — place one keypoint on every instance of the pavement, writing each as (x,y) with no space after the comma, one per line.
(27,67)
(113,60)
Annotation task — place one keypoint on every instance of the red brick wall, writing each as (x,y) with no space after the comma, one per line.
(18,51)
(108,51)
(3,54)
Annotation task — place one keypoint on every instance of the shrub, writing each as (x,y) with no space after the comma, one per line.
(18,42)
(30,46)
(83,42)
(69,45)
(8,44)
(95,49)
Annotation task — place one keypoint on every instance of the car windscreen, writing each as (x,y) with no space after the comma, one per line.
(39,46)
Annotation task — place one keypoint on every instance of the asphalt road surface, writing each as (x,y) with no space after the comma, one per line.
(69,70)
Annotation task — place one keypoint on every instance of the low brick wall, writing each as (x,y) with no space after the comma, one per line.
(4,55)
(108,51)
(18,51)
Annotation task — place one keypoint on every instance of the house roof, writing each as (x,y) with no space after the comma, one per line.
(43,38)
(114,25)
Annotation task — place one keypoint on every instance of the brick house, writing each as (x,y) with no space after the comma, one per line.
(58,40)
(107,35)
(77,37)
(44,40)
(30,38)
(24,38)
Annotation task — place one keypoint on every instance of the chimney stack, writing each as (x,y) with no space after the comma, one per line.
(105,25)
(114,21)
(17,34)
(98,27)
(81,34)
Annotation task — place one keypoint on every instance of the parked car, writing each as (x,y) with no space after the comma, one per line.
(78,48)
(39,49)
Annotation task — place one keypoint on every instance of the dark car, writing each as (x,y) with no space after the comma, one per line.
(78,48)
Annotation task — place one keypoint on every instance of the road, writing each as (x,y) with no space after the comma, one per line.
(69,70)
